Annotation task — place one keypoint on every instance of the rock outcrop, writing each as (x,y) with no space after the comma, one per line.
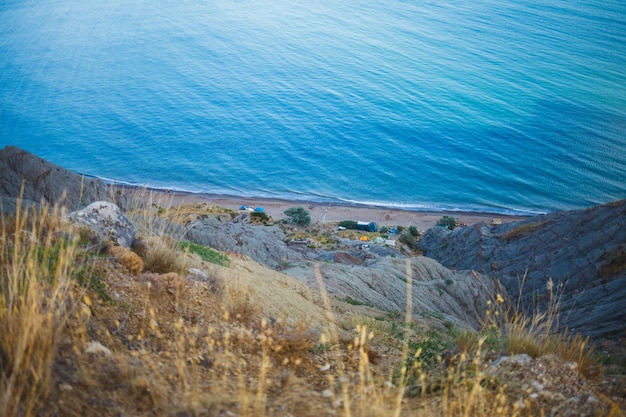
(459,298)
(43,182)
(264,244)
(582,253)
(108,221)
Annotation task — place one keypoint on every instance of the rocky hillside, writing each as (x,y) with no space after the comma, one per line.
(581,253)
(374,278)
(43,182)
(148,320)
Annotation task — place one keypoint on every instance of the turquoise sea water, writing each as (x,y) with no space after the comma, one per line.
(502,106)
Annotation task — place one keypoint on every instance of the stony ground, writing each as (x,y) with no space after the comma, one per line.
(245,339)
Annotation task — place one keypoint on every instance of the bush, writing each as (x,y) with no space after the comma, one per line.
(448,222)
(407,238)
(298,215)
(384,230)
(413,231)
(348,224)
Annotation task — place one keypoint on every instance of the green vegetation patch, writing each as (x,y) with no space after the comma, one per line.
(348,224)
(298,215)
(259,217)
(354,302)
(447,221)
(205,252)
(89,278)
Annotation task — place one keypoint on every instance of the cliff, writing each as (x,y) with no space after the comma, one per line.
(582,253)
(43,181)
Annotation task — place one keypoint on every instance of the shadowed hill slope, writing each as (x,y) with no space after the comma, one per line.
(43,182)
(582,252)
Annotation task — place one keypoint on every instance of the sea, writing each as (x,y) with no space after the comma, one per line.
(499,106)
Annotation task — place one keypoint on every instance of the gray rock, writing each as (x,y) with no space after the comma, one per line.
(581,251)
(196,274)
(264,244)
(438,294)
(108,221)
(43,182)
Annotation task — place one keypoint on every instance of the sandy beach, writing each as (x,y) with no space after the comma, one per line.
(328,213)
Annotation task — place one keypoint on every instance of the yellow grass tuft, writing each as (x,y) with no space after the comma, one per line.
(162,256)
(128,258)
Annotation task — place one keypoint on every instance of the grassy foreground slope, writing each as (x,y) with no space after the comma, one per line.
(171,329)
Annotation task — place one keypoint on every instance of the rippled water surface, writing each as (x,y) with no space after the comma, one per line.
(504,106)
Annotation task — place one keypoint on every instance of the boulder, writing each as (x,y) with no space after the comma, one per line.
(108,221)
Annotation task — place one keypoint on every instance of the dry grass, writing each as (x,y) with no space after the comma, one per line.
(522,230)
(36,264)
(538,333)
(175,347)
(161,256)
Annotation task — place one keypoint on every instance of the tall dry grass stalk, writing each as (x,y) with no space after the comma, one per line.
(36,261)
(538,332)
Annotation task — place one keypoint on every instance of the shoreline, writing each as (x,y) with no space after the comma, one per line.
(326,212)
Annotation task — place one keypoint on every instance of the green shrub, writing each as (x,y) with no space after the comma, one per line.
(407,238)
(348,224)
(447,221)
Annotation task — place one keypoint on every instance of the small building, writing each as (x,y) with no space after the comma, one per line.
(367,227)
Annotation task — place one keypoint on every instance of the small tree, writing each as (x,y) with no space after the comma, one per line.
(413,231)
(298,216)
(447,221)
(408,239)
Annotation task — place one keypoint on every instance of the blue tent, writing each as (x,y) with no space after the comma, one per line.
(243,207)
(259,209)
